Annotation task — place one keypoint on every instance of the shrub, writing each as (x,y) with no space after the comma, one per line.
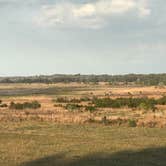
(162,101)
(61,100)
(132,123)
(74,100)
(123,102)
(3,105)
(104,120)
(85,99)
(58,105)
(0,101)
(65,100)
(25,105)
(146,106)
(90,108)
(72,107)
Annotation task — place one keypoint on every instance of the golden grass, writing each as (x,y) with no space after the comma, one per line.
(48,112)
(33,143)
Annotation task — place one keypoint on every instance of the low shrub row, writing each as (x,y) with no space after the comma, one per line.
(73,100)
(72,107)
(90,108)
(142,103)
(3,105)
(25,105)
(66,100)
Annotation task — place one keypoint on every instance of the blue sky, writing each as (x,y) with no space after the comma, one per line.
(82,36)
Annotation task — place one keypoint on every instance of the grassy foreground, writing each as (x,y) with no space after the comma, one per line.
(48,144)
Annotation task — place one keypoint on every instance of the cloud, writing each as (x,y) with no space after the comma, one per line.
(95,14)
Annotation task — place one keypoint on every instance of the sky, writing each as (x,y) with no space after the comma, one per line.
(82,36)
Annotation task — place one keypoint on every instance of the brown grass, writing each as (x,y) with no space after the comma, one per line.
(48,112)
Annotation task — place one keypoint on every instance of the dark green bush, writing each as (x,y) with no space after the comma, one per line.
(124,102)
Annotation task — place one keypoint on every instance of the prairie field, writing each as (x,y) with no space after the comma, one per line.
(69,128)
(75,95)
(34,143)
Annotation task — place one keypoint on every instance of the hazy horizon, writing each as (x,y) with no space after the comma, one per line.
(33,75)
(44,37)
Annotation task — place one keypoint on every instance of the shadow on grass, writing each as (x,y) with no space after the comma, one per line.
(147,157)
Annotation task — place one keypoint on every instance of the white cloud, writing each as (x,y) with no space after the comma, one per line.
(90,15)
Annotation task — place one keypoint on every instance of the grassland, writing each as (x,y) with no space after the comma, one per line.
(46,95)
(33,143)
(54,135)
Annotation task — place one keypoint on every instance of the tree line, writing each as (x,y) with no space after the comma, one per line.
(140,79)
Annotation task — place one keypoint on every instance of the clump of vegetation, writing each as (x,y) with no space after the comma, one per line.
(25,105)
(146,103)
(132,123)
(104,120)
(90,108)
(162,101)
(61,100)
(58,105)
(72,107)
(84,99)
(3,105)
(66,100)
(74,100)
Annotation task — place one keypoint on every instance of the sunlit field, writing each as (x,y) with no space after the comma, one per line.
(76,124)
(47,144)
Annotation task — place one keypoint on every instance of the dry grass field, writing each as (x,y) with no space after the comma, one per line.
(50,110)
(54,135)
(32,143)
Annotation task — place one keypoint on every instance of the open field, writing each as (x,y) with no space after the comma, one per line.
(21,89)
(68,129)
(47,144)
(52,110)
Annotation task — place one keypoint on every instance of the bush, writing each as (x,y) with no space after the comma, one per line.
(0,101)
(61,100)
(104,120)
(74,100)
(25,105)
(125,102)
(132,123)
(72,107)
(65,100)
(162,101)
(90,108)
(146,106)
(3,105)
(85,99)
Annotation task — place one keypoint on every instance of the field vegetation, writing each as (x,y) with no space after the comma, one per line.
(25,105)
(82,124)
(32,143)
(137,79)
